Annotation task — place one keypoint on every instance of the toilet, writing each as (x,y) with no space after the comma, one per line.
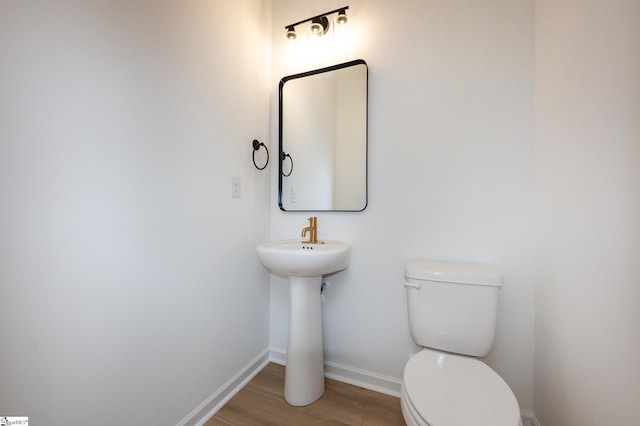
(452,316)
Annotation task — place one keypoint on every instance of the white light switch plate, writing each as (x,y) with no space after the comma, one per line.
(235,187)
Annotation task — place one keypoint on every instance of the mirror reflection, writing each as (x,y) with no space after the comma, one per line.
(323,139)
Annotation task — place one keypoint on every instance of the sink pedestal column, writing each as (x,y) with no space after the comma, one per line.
(304,372)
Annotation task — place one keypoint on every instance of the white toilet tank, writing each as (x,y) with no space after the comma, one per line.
(453,306)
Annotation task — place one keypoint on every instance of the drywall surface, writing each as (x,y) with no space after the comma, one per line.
(587,346)
(129,284)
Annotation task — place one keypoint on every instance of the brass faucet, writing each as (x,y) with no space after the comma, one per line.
(312,229)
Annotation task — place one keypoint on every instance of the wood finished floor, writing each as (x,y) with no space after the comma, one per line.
(261,402)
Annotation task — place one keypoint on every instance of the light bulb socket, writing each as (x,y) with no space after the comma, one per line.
(342,17)
(319,25)
(291,33)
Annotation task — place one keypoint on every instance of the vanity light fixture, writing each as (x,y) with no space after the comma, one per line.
(319,24)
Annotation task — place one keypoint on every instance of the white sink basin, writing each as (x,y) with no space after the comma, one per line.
(304,264)
(293,258)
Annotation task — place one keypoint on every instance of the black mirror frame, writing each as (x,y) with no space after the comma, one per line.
(280,126)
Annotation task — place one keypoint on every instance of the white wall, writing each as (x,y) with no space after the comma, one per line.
(587,346)
(451,171)
(128,282)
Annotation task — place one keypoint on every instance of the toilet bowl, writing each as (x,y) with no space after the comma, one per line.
(445,389)
(452,316)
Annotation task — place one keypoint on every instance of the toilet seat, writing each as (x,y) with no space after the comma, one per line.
(442,389)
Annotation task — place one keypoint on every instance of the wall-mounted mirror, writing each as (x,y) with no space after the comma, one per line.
(323,139)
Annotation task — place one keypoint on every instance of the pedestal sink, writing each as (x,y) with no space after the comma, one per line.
(304,264)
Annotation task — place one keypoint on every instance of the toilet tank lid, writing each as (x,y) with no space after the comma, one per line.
(452,272)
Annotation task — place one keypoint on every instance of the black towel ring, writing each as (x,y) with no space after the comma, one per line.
(284,156)
(256,146)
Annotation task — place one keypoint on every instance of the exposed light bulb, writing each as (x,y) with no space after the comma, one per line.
(342,18)
(291,33)
(319,26)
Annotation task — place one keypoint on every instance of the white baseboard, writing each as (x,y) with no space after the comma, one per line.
(363,378)
(351,375)
(215,402)
(278,355)
(529,419)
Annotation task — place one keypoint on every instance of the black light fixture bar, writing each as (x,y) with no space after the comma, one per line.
(290,26)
